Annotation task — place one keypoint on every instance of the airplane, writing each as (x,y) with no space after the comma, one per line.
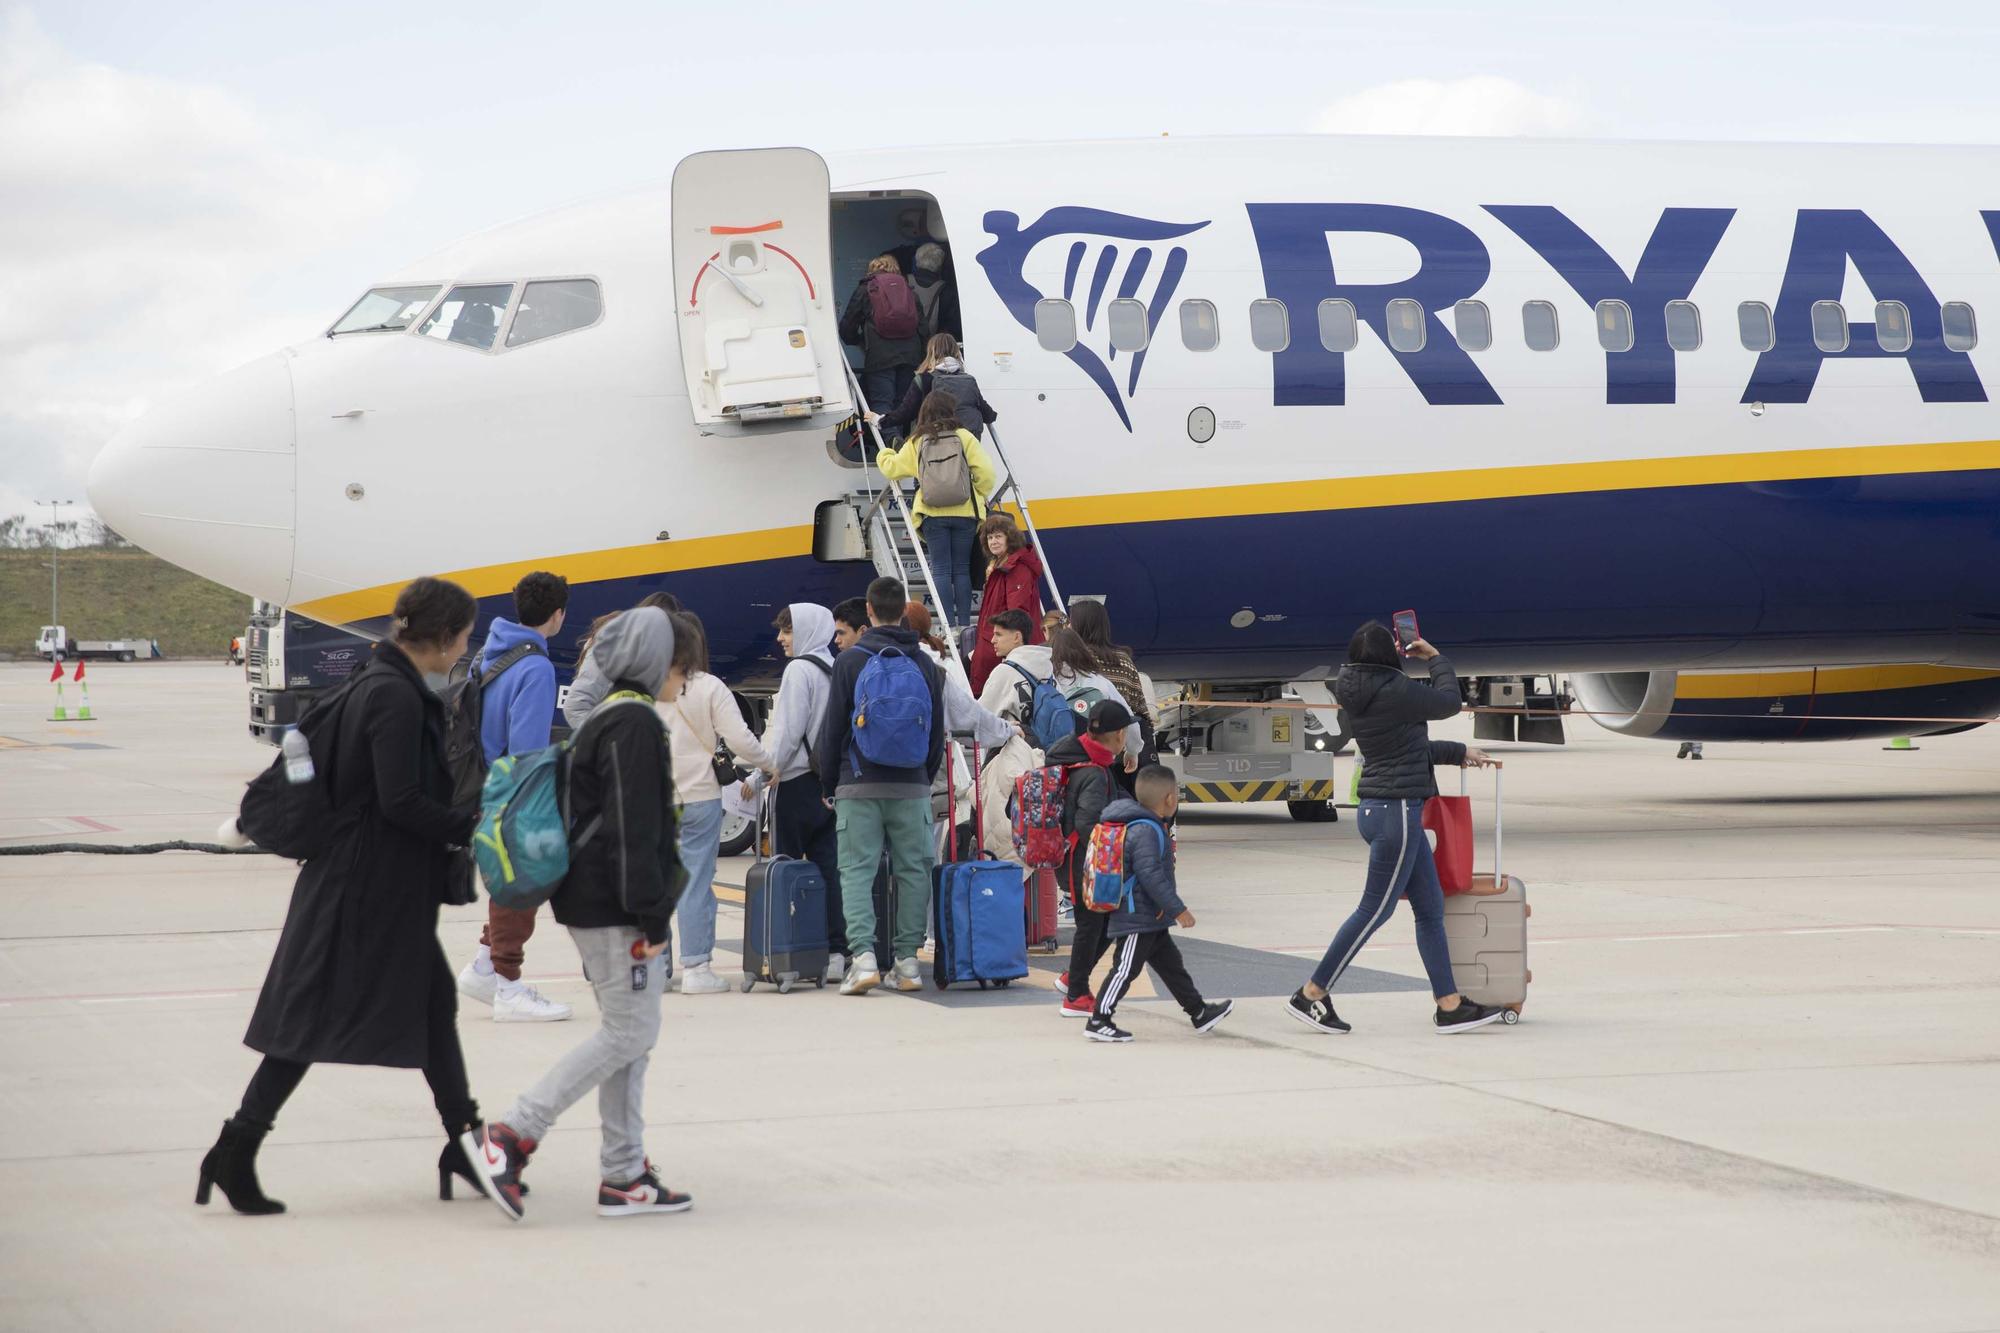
(1664,416)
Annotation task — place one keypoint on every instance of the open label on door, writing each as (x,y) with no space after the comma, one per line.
(760,342)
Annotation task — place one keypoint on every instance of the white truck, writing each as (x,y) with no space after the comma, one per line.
(56,642)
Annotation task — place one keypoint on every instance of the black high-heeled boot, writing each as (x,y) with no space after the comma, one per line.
(232,1164)
(452,1162)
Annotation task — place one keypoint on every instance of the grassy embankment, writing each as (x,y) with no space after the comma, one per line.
(118,594)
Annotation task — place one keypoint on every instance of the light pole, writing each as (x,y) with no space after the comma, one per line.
(55,544)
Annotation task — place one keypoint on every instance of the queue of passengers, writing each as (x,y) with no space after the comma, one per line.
(359,977)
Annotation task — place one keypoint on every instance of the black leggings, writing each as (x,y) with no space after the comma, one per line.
(277,1078)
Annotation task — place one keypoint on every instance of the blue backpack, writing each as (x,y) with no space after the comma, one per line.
(1050,716)
(892,712)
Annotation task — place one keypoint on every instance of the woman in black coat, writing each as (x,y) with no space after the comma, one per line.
(359,977)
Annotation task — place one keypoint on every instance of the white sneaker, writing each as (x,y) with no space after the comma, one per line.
(701,980)
(862,975)
(518,1002)
(836,966)
(907,975)
(476,985)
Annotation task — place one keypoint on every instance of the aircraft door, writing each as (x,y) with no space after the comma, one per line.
(753,263)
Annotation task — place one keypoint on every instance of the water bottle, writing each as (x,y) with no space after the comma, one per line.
(298,757)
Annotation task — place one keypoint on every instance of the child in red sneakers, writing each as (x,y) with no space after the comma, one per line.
(1140,929)
(616,900)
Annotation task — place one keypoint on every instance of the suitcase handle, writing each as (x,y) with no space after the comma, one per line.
(1499,876)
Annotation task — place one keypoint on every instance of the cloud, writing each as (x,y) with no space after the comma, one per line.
(160,214)
(1484,104)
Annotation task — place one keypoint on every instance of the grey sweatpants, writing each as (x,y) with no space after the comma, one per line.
(613,1059)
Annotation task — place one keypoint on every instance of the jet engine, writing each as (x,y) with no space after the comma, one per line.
(1789,703)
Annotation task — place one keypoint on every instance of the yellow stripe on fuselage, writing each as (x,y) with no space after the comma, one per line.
(1279,497)
(1831,680)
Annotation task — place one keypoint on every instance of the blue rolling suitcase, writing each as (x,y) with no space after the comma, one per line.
(784,921)
(979,907)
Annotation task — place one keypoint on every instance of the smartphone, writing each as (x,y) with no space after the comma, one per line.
(1406,631)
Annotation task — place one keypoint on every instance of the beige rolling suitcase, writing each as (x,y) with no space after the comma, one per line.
(1486,928)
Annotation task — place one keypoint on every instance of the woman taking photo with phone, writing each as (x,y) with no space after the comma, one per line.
(1389,715)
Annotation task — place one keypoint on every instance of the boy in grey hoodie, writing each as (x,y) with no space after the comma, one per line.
(1139,929)
(803,826)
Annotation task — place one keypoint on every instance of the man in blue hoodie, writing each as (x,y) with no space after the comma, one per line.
(879,804)
(517,714)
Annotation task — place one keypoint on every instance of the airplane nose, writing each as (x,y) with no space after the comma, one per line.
(206,480)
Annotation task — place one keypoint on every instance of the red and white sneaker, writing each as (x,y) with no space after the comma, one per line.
(644,1195)
(498,1156)
(1080,1008)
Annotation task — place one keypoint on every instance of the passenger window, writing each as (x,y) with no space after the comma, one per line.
(1128,325)
(1892,326)
(1683,326)
(1614,326)
(1538,326)
(1473,323)
(1961,330)
(549,308)
(384,310)
(1055,324)
(1270,325)
(1829,326)
(1406,325)
(1753,326)
(1338,330)
(469,316)
(1199,330)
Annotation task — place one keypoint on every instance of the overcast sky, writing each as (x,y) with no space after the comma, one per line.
(183,187)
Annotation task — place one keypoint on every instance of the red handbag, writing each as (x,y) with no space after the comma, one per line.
(1450,818)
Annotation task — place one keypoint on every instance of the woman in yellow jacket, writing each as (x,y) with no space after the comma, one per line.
(954,477)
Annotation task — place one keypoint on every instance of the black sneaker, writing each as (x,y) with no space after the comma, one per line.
(1103,1029)
(1316,1014)
(1211,1014)
(644,1195)
(1466,1017)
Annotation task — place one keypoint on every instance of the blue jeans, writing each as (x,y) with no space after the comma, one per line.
(949,542)
(1399,862)
(701,840)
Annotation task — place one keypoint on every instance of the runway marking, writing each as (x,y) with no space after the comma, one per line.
(156,999)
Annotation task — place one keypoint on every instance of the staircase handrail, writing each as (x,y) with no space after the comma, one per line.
(1027,519)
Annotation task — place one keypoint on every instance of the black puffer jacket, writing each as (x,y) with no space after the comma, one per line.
(1387,712)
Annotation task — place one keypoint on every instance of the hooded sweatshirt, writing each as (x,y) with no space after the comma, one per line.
(627,871)
(904,413)
(519,709)
(1387,713)
(1008,692)
(800,708)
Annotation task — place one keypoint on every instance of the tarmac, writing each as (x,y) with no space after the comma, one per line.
(1754,1085)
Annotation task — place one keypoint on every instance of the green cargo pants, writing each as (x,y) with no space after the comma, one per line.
(863,827)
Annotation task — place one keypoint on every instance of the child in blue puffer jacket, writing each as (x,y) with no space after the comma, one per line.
(1140,927)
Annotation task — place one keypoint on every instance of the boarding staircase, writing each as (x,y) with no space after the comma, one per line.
(889,530)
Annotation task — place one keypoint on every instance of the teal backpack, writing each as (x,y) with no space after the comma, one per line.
(522,841)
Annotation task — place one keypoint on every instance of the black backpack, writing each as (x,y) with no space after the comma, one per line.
(964,391)
(465,710)
(295,819)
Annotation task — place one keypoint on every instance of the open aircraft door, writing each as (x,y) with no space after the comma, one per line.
(753,260)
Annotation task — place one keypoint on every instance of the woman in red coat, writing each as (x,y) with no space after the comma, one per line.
(1013,583)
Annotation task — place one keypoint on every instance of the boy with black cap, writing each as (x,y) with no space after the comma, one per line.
(1087,790)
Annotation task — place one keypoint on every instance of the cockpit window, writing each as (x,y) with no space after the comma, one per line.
(384,310)
(469,315)
(549,308)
